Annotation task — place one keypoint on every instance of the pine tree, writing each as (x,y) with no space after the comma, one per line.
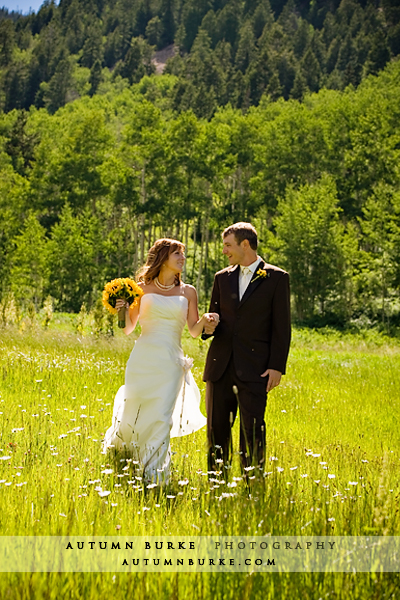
(262,18)
(143,16)
(246,47)
(154,32)
(168,23)
(95,77)
(378,55)
(311,70)
(210,25)
(299,86)
(302,37)
(228,22)
(7,41)
(92,50)
(21,144)
(137,62)
(55,93)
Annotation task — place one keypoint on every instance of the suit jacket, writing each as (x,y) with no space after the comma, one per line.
(255,330)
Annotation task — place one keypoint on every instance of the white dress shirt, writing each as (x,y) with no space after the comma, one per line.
(246,275)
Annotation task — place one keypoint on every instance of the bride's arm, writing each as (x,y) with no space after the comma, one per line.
(194,323)
(131,315)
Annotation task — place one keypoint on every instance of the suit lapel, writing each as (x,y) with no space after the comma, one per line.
(233,278)
(254,283)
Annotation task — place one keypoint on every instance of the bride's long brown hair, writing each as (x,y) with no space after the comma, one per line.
(157,256)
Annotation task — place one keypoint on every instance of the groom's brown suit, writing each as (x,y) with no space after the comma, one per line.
(253,335)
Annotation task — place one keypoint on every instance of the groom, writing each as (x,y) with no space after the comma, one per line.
(248,354)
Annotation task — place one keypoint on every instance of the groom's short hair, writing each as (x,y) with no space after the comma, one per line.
(242,231)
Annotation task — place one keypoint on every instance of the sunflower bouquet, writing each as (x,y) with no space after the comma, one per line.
(124,288)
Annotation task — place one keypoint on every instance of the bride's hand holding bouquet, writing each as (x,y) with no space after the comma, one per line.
(119,294)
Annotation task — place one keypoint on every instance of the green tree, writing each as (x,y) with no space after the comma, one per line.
(75,251)
(14,192)
(29,269)
(70,157)
(380,226)
(310,239)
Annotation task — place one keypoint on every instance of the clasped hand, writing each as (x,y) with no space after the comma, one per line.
(211,322)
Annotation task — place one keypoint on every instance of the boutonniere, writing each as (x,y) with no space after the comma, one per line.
(261,273)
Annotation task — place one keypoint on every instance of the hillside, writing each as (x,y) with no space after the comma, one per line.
(224,52)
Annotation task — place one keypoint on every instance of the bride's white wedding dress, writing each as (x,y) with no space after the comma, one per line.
(160,398)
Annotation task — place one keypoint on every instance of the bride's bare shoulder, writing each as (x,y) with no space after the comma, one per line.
(144,286)
(189,291)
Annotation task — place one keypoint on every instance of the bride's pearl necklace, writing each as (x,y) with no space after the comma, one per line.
(161,286)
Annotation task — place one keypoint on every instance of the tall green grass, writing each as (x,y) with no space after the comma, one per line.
(332,463)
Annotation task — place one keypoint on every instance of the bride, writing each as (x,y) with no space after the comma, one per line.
(160,398)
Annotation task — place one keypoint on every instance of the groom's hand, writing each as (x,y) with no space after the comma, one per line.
(274,378)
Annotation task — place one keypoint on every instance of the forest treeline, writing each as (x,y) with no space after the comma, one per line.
(85,191)
(226,51)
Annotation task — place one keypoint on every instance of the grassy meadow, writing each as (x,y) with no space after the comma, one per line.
(332,469)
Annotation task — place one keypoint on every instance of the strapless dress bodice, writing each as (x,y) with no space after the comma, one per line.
(163,316)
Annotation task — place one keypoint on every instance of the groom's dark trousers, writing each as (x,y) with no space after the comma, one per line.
(253,335)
